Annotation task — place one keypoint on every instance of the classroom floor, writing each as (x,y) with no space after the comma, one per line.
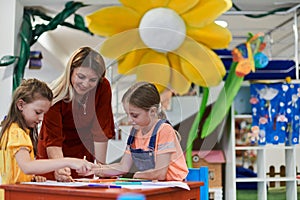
(273,194)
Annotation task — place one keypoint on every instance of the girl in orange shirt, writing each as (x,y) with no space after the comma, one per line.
(153,146)
(31,101)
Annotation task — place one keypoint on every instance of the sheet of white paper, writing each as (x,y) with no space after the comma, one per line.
(143,185)
(167,184)
(158,184)
(55,183)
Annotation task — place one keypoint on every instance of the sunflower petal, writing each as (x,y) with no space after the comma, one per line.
(158,3)
(212,35)
(191,72)
(142,6)
(182,6)
(178,81)
(103,21)
(120,44)
(206,12)
(201,65)
(154,67)
(127,65)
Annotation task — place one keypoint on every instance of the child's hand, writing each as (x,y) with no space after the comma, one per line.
(80,165)
(138,175)
(97,170)
(38,179)
(87,173)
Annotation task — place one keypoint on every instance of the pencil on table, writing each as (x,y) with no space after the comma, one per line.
(95,177)
(72,180)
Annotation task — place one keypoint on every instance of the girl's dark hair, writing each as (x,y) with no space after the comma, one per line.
(29,91)
(144,95)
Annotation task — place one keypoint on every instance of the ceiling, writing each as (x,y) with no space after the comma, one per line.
(278,26)
(256,16)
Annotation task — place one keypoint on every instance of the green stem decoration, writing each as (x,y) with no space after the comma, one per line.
(26,35)
(29,35)
(244,60)
(223,103)
(194,130)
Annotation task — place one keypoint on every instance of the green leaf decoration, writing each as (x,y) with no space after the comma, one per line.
(243,62)
(26,36)
(223,103)
(7,60)
(194,130)
(79,21)
(70,8)
(29,35)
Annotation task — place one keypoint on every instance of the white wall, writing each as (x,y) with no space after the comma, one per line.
(9,23)
(51,66)
(11,15)
(56,46)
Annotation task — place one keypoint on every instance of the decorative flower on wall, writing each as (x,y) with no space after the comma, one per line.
(165,42)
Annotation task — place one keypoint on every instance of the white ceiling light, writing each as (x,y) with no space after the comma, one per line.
(221,23)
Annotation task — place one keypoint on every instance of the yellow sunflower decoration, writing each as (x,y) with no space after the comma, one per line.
(167,42)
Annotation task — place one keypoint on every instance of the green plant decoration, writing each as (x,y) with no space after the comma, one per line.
(246,57)
(29,34)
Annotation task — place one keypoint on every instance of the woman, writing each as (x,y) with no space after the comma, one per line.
(80,121)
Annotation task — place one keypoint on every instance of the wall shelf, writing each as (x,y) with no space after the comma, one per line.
(266,155)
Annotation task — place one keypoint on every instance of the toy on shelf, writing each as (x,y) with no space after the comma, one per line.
(243,132)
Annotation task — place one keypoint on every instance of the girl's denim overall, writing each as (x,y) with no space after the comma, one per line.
(142,159)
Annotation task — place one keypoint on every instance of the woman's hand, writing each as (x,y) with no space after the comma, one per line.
(63,175)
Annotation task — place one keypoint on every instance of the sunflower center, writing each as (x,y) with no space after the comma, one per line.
(162,29)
